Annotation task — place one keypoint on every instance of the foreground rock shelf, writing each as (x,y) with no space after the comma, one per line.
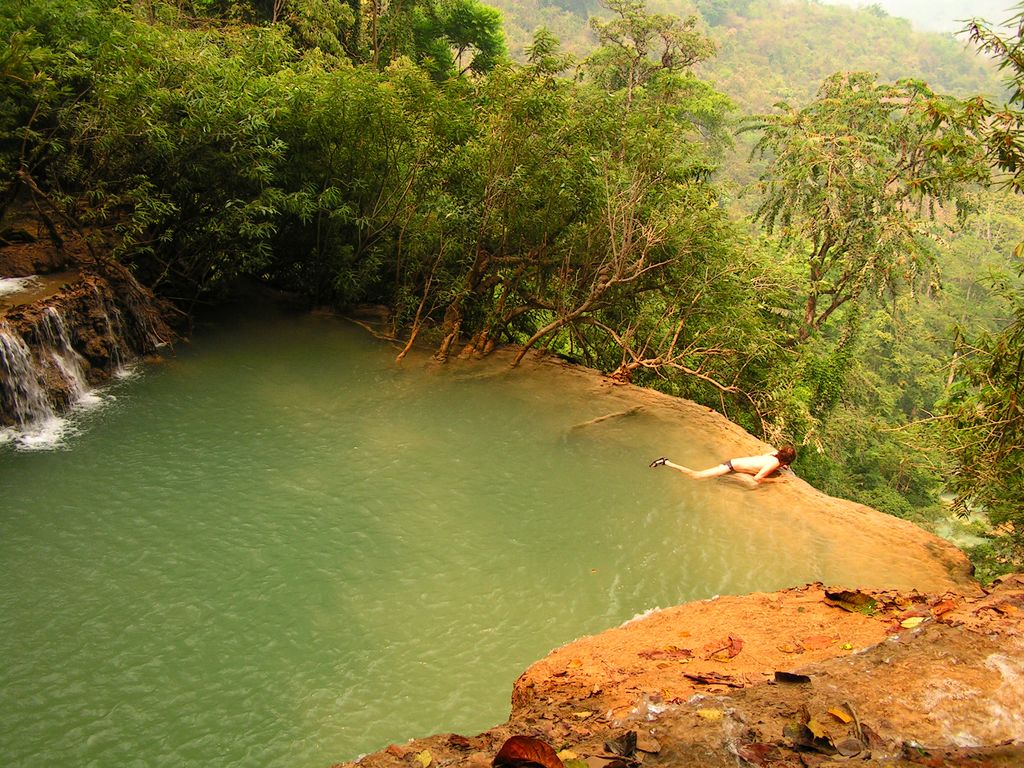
(801,677)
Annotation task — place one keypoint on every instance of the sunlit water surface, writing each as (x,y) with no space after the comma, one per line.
(279,548)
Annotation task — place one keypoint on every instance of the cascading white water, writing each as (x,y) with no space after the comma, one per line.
(22,394)
(52,329)
(56,342)
(26,400)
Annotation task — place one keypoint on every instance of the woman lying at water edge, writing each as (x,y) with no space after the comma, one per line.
(762,467)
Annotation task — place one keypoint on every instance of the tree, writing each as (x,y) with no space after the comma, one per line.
(850,178)
(986,429)
(637,46)
(985,404)
(28,100)
(448,38)
(1001,128)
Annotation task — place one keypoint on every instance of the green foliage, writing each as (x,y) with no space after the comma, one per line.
(446,37)
(180,124)
(330,26)
(27,98)
(1000,127)
(986,430)
(849,175)
(452,37)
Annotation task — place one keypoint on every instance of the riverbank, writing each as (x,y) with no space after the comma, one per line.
(921,666)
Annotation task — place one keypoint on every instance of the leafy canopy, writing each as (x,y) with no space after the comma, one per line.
(849,178)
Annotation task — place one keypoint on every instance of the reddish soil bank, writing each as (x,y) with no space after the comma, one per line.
(802,677)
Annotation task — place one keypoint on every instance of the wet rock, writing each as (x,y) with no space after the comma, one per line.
(54,348)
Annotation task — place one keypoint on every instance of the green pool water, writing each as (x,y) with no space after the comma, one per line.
(277,547)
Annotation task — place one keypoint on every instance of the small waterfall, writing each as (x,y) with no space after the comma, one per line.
(41,376)
(57,347)
(53,350)
(22,393)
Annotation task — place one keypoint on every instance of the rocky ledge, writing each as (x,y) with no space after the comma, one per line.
(80,322)
(809,676)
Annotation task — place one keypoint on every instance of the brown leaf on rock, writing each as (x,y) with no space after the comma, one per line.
(758,754)
(872,739)
(526,752)
(850,747)
(624,744)
(728,647)
(735,646)
(804,737)
(853,601)
(817,642)
(943,607)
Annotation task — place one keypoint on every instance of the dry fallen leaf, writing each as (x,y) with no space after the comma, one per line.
(817,729)
(840,714)
(758,754)
(727,648)
(713,678)
(817,642)
(526,752)
(855,602)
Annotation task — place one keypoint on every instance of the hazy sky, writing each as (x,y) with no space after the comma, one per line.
(939,15)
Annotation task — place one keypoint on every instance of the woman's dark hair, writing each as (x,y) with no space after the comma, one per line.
(786,455)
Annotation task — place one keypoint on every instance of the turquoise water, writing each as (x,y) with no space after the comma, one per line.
(278,548)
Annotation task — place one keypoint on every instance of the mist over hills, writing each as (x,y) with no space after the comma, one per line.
(937,15)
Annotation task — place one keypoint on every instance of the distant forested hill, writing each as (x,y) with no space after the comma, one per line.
(782,49)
